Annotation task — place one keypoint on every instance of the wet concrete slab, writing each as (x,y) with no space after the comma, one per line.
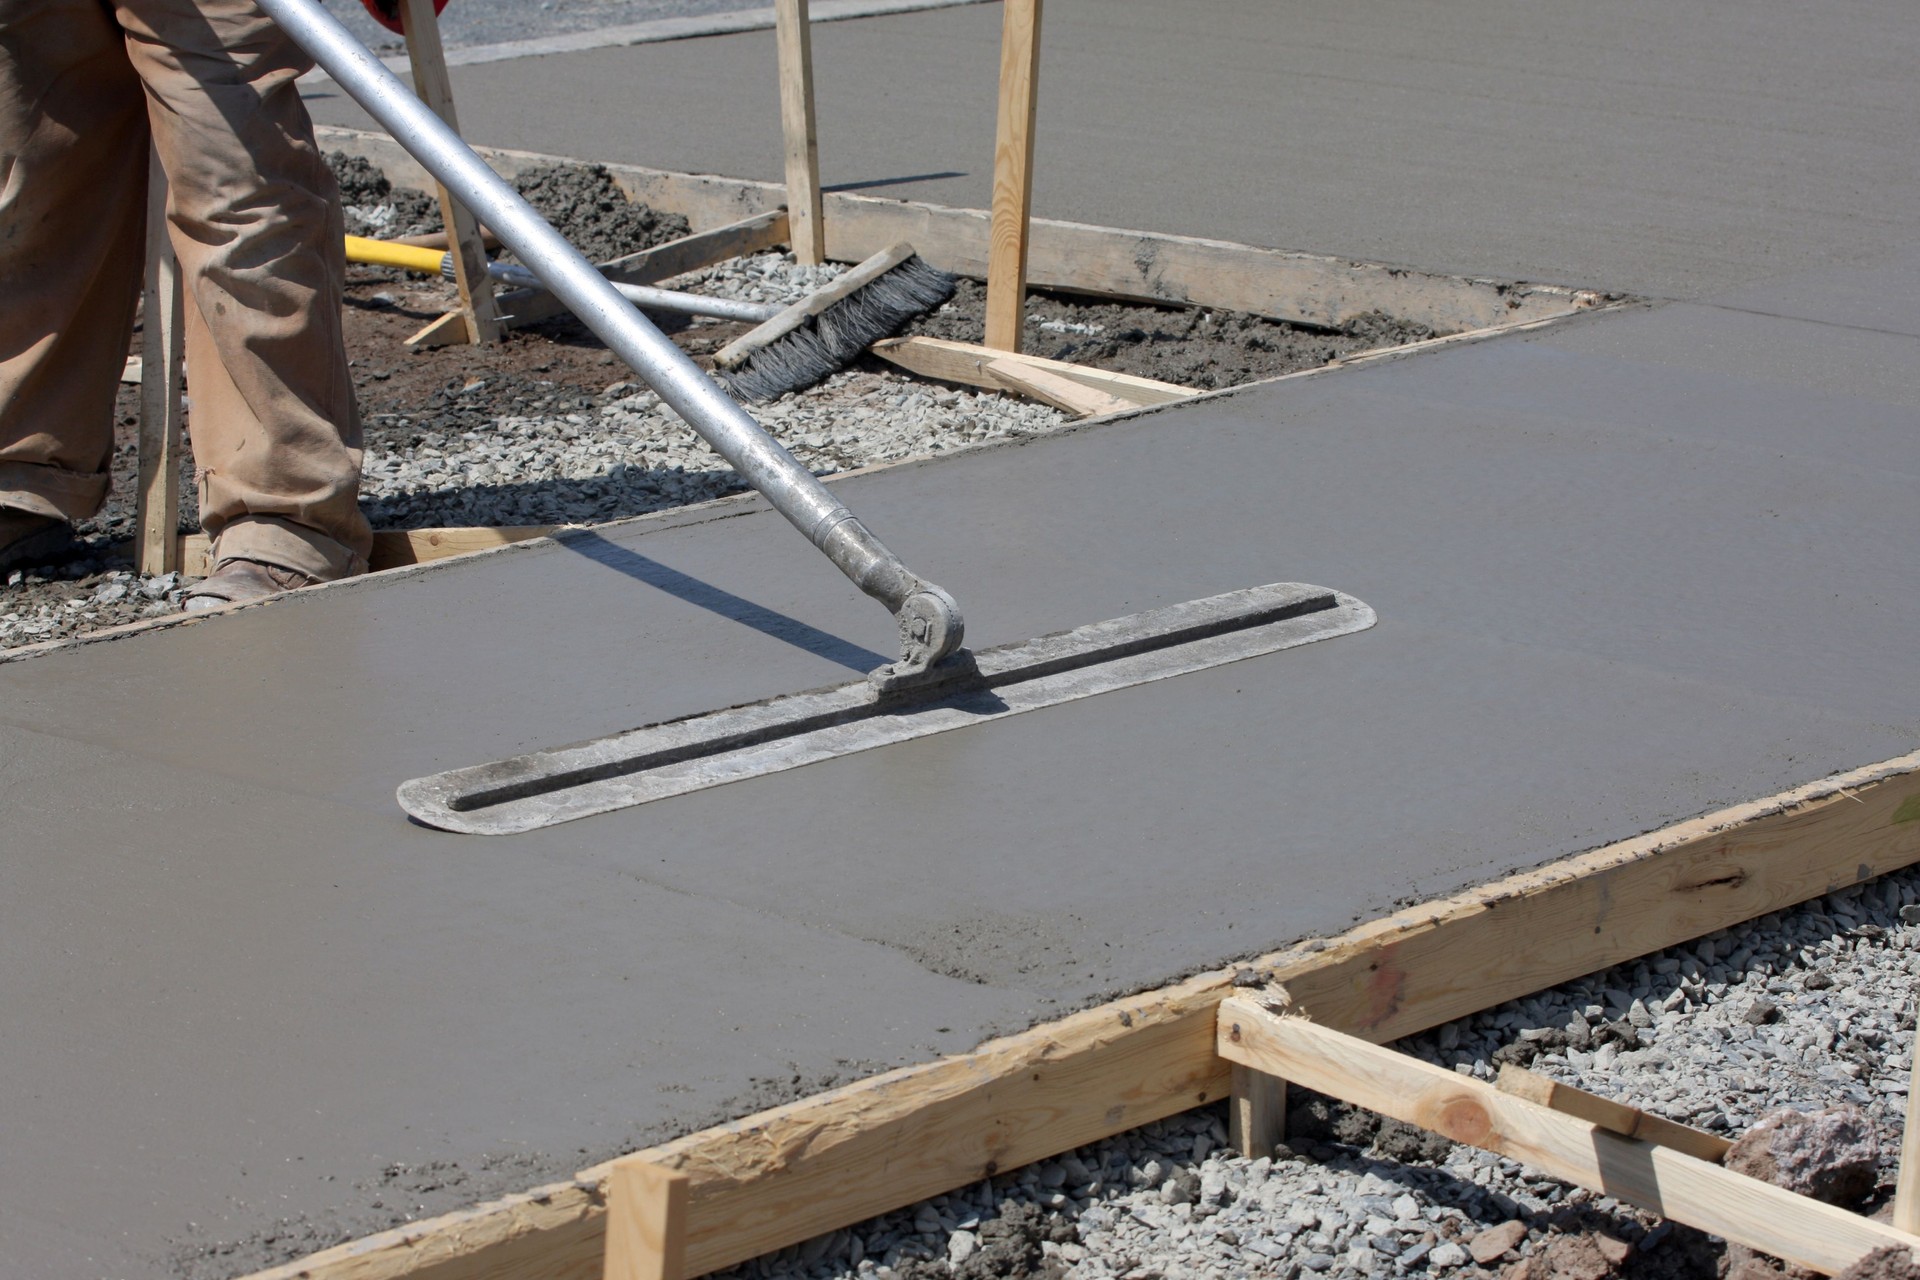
(1628,570)
(1617,144)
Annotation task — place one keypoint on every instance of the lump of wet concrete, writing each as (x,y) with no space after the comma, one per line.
(1831,1154)
(1009,1247)
(586,205)
(1890,1263)
(1315,1117)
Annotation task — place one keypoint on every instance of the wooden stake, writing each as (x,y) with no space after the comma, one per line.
(1013,173)
(1711,1197)
(646,1222)
(795,36)
(155,548)
(1257,1119)
(1906,1194)
(435,88)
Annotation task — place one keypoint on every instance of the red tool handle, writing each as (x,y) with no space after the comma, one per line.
(387,13)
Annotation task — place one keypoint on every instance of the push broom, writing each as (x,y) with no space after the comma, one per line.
(934,686)
(793,347)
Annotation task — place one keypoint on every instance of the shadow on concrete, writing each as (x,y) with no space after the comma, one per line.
(718,600)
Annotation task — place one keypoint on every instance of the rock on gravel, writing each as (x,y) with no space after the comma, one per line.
(1831,1154)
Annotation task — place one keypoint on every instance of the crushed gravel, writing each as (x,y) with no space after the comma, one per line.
(1806,1008)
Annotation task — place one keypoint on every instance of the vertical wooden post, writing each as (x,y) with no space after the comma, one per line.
(1906,1193)
(1257,1118)
(646,1222)
(795,37)
(156,548)
(1013,173)
(435,87)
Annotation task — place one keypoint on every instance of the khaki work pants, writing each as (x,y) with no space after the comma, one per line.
(253,216)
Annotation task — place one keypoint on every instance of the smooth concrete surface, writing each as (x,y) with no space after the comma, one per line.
(1662,150)
(1629,569)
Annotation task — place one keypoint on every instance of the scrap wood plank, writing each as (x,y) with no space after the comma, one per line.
(784,1175)
(662,262)
(1614,1117)
(1113,262)
(972,365)
(395,548)
(1063,393)
(1804,1231)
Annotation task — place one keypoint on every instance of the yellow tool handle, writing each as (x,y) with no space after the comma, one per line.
(384,253)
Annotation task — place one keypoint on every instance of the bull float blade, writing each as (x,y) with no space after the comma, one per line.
(538,790)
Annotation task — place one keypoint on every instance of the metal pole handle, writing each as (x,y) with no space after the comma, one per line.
(930,623)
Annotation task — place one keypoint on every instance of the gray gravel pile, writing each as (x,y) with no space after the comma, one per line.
(1807,1008)
(80,597)
(629,454)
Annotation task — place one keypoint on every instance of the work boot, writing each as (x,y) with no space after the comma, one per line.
(26,537)
(235,581)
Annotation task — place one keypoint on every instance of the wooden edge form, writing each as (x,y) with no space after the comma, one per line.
(395,548)
(785,1175)
(971,365)
(662,262)
(1680,1187)
(1280,284)
(646,1222)
(1063,393)
(778,326)
(1614,1117)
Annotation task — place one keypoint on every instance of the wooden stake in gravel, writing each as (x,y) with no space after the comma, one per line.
(435,87)
(795,36)
(1013,173)
(155,550)
(1906,1194)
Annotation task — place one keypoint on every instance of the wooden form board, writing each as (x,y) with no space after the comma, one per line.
(1670,1183)
(784,1175)
(395,548)
(1280,284)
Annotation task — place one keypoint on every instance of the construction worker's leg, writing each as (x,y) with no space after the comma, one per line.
(73,182)
(256,224)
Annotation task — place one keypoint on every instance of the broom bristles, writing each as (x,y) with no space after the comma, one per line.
(836,337)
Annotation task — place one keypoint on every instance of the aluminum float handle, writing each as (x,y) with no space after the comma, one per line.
(930,623)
